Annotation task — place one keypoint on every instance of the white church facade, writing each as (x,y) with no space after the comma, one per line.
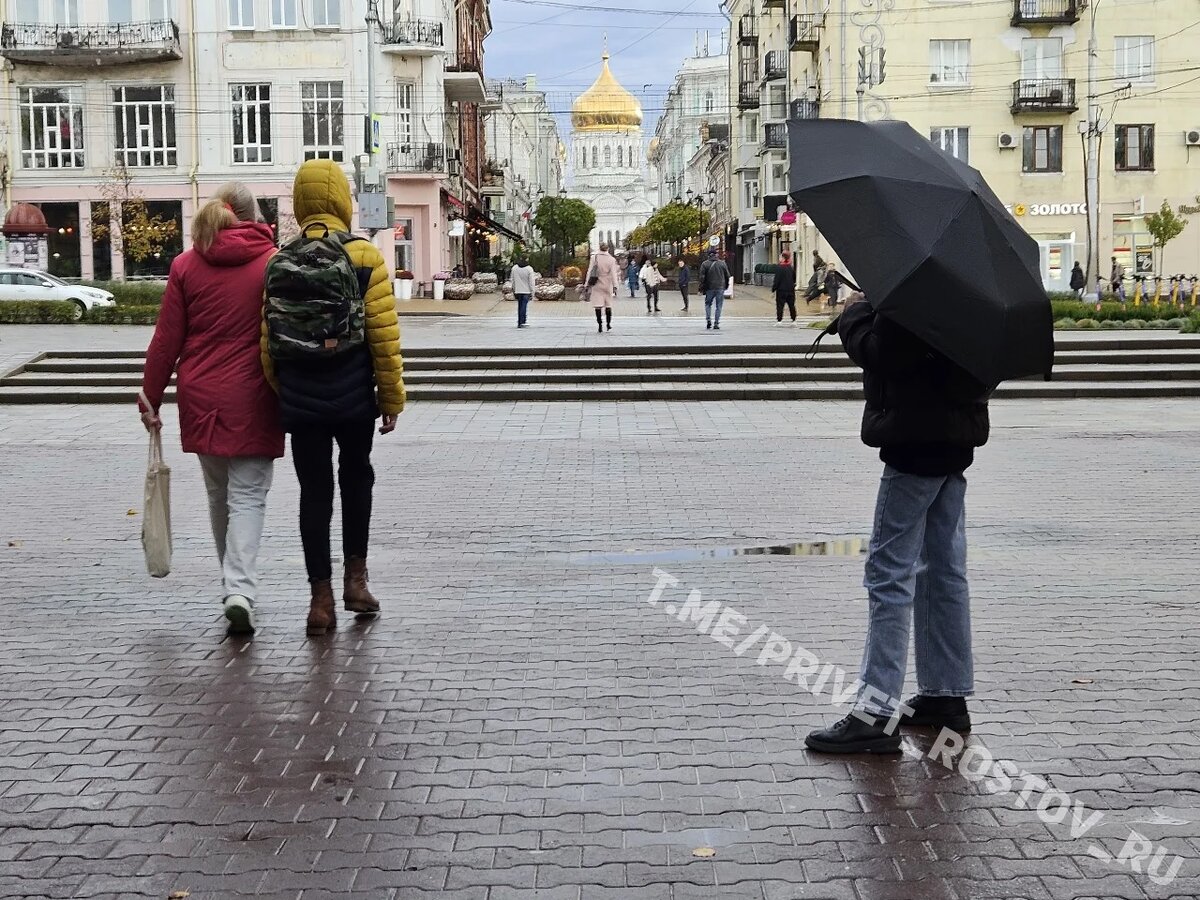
(608,157)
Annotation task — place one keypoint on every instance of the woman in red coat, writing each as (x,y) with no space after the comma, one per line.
(208,333)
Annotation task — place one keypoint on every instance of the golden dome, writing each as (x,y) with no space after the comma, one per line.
(606,106)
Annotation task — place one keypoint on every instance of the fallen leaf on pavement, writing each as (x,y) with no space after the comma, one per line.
(132,512)
(178,895)
(704,852)
(16,544)
(1082,681)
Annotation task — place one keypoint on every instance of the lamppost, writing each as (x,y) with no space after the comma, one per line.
(1092,186)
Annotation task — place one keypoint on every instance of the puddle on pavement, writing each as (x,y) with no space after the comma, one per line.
(843,547)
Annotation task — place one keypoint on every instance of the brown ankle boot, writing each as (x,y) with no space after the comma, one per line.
(322,614)
(357,597)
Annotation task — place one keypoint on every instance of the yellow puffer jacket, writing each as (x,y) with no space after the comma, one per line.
(321,196)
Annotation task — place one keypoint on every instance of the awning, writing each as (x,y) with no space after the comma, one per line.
(479,218)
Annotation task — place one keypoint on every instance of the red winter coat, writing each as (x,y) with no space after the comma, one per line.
(208,332)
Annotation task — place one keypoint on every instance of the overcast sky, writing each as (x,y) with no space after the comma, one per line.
(560,41)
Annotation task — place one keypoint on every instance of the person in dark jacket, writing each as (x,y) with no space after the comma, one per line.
(1078,280)
(833,284)
(685,280)
(714,281)
(926,416)
(338,401)
(818,263)
(784,288)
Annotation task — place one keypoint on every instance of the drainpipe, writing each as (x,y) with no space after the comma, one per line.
(195,107)
(8,132)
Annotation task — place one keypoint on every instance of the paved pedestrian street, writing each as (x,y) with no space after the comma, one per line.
(522,722)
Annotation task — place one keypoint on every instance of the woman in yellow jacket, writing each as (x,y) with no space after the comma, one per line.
(338,402)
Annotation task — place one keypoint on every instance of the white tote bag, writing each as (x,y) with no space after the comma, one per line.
(156,522)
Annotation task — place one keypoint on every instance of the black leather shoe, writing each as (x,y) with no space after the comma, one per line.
(938,712)
(853,735)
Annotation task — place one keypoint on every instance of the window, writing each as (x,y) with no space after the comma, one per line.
(607,157)
(1041,58)
(1135,58)
(750,128)
(1041,149)
(710,102)
(595,158)
(161,9)
(777,103)
(66,12)
(51,129)
(321,103)
(120,11)
(779,178)
(241,14)
(327,13)
(621,157)
(283,13)
(404,113)
(145,125)
(251,122)
(949,62)
(28,12)
(750,195)
(952,140)
(1135,148)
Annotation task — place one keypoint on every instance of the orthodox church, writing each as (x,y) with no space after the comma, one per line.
(607,158)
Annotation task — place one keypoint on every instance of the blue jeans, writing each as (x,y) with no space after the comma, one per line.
(917,570)
(711,297)
(522,307)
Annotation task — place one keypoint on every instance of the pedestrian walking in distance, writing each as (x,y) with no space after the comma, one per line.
(714,280)
(685,280)
(818,263)
(603,277)
(1117,279)
(833,284)
(331,346)
(208,334)
(784,288)
(652,279)
(1078,280)
(633,274)
(524,283)
(927,416)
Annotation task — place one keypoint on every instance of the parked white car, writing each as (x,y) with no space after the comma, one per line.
(30,284)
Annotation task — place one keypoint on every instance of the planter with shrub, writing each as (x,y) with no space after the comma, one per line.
(404,284)
(460,289)
(486,282)
(550,289)
(572,276)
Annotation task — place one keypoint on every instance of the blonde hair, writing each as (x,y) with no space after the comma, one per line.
(232,203)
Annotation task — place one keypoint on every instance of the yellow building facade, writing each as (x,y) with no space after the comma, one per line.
(1003,84)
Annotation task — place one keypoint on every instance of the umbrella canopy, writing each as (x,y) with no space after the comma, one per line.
(929,243)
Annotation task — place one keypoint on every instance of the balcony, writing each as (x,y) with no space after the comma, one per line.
(418,159)
(804,33)
(90,45)
(774,4)
(1046,12)
(1047,95)
(748,30)
(493,181)
(775,66)
(463,81)
(775,136)
(749,85)
(805,110)
(414,37)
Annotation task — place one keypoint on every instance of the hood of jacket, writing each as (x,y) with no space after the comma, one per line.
(321,194)
(236,246)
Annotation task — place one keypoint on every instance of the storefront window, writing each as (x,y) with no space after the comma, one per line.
(158,264)
(63,240)
(1132,245)
(403,236)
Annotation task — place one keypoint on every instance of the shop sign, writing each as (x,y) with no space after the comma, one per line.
(1047,209)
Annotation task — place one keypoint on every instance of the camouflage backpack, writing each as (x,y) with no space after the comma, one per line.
(314,306)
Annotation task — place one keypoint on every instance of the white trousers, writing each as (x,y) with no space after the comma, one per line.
(237,505)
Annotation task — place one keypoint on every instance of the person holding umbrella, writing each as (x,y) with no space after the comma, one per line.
(933,339)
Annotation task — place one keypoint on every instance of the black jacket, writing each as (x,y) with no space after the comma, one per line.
(714,275)
(327,393)
(785,281)
(833,281)
(926,414)
(1078,279)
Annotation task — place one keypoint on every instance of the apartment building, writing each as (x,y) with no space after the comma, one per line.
(699,97)
(1003,86)
(526,158)
(182,95)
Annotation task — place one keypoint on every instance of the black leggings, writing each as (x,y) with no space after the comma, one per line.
(312,454)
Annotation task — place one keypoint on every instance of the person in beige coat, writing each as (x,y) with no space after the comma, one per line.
(603,277)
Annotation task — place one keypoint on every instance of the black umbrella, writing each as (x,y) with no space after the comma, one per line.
(931,245)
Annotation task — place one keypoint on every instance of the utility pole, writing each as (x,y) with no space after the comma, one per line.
(1093,166)
(372,21)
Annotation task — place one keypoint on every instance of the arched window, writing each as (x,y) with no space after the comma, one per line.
(621,157)
(583,159)
(607,157)
(709,101)
(618,238)
(595,157)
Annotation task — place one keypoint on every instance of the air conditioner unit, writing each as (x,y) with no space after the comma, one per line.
(1006,140)
(1191,137)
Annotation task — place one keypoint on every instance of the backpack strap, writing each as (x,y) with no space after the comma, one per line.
(345,238)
